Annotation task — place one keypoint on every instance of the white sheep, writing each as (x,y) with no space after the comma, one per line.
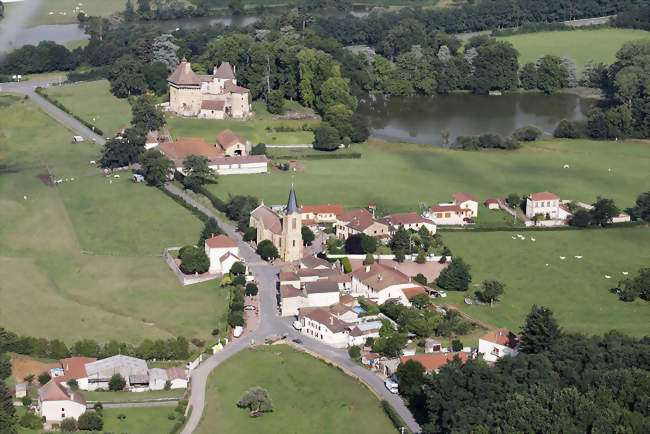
(92,162)
(566,166)
(563,257)
(578,257)
(116,176)
(607,276)
(625,273)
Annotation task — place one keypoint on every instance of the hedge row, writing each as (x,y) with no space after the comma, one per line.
(93,74)
(39,90)
(397,420)
(216,202)
(323,156)
(541,229)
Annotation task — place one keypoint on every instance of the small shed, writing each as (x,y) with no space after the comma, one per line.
(431,345)
(21,390)
(492,204)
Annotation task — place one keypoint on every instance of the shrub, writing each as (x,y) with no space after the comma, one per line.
(490,140)
(347,267)
(468,143)
(26,400)
(581,219)
(275,104)
(68,425)
(116,383)
(193,260)
(569,129)
(239,280)
(267,250)
(421,279)
(122,416)
(369,259)
(31,421)
(326,137)
(251,289)
(44,378)
(238,268)
(355,352)
(510,143)
(456,345)
(529,133)
(90,421)
(250,234)
(73,385)
(168,385)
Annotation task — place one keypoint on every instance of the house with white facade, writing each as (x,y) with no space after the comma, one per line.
(497,344)
(177,377)
(56,402)
(543,203)
(463,206)
(74,368)
(322,293)
(292,300)
(315,263)
(318,323)
(223,252)
(379,283)
(316,214)
(362,331)
(157,378)
(409,220)
(239,165)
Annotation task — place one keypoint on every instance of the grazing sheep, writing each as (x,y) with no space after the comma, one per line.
(563,257)
(92,162)
(607,276)
(116,176)
(566,166)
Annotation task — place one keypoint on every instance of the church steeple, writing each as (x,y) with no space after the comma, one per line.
(292,203)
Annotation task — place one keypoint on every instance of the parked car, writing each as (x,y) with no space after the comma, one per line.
(297,341)
(297,325)
(238,331)
(392,386)
(442,293)
(249,307)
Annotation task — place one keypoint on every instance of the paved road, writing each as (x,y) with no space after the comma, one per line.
(28,88)
(272,324)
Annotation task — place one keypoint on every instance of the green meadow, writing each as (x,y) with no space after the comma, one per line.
(325,400)
(598,45)
(83,259)
(534,272)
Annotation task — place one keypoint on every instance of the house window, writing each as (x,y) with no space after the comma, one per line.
(294,243)
(439,215)
(62,415)
(447,215)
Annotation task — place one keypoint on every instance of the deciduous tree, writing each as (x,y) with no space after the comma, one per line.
(156,166)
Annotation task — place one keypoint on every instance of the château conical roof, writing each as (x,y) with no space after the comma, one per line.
(184,76)
(292,203)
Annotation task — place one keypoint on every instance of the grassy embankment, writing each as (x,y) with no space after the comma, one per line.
(598,45)
(122,289)
(324,400)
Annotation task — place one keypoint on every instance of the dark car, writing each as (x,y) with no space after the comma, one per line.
(297,341)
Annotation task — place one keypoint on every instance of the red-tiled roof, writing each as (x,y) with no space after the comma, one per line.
(228,138)
(268,218)
(337,210)
(288,276)
(324,317)
(359,219)
(413,291)
(53,391)
(184,146)
(288,291)
(502,337)
(404,219)
(233,88)
(210,104)
(491,201)
(238,159)
(74,368)
(220,241)
(321,286)
(433,362)
(224,71)
(461,197)
(446,208)
(543,195)
(184,76)
(379,276)
(176,373)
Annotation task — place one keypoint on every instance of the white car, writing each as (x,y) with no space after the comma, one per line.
(297,325)
(238,331)
(249,307)
(391,386)
(442,293)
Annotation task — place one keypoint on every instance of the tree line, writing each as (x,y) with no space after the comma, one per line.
(159,349)
(558,380)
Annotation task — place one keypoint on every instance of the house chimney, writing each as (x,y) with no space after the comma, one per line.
(379,277)
(331,320)
(214,70)
(188,67)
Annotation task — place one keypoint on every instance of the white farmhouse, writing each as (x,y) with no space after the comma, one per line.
(322,293)
(543,203)
(463,206)
(223,252)
(177,377)
(320,324)
(380,283)
(56,403)
(410,220)
(498,343)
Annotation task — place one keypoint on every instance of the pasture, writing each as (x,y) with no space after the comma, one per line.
(576,289)
(598,45)
(93,100)
(253,131)
(123,289)
(64,12)
(397,177)
(326,398)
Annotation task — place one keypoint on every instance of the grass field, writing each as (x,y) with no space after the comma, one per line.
(254,131)
(308,396)
(93,100)
(105,397)
(399,176)
(42,15)
(598,45)
(575,289)
(128,295)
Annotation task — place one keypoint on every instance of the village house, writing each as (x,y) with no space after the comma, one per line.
(344,312)
(318,323)
(223,252)
(56,402)
(492,204)
(100,372)
(322,293)
(210,96)
(177,377)
(317,214)
(284,232)
(292,300)
(433,362)
(74,368)
(289,278)
(232,144)
(360,221)
(157,378)
(362,331)
(543,203)
(497,344)
(316,263)
(462,208)
(409,220)
(379,283)
(316,293)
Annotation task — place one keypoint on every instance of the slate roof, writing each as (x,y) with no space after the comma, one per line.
(292,203)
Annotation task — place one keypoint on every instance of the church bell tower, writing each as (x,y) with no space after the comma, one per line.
(292,248)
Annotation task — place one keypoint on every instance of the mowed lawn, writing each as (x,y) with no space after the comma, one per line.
(397,177)
(93,100)
(125,290)
(308,396)
(253,131)
(581,45)
(42,15)
(575,289)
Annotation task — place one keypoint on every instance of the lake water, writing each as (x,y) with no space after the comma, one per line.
(419,118)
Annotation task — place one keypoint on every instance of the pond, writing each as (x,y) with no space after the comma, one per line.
(420,118)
